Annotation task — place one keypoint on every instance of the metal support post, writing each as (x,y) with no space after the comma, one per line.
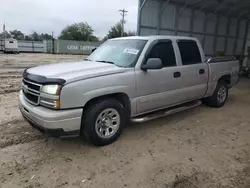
(227,34)
(33,48)
(143,3)
(240,15)
(183,8)
(245,39)
(204,30)
(160,14)
(218,7)
(216,34)
(176,20)
(191,23)
(140,5)
(199,11)
(236,37)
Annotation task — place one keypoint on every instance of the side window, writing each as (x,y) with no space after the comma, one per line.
(164,51)
(190,53)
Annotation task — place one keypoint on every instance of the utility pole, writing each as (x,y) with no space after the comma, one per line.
(123,14)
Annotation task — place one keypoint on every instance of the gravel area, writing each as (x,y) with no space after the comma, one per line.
(200,148)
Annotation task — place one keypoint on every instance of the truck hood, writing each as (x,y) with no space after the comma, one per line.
(74,71)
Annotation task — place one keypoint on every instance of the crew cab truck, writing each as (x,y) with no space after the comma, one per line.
(132,78)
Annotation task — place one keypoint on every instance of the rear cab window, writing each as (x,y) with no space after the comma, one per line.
(189,51)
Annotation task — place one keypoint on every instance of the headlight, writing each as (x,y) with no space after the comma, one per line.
(52,89)
(50,96)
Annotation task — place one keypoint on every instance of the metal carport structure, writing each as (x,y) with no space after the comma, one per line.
(220,25)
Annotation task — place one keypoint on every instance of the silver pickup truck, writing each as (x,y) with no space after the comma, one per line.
(133,78)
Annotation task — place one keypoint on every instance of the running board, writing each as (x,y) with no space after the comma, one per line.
(165,112)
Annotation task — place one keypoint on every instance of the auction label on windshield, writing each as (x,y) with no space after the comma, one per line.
(131,51)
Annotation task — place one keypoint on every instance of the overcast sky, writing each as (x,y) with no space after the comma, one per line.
(54,15)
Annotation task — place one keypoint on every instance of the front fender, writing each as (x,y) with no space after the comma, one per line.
(77,94)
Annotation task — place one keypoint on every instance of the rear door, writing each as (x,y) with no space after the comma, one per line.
(194,72)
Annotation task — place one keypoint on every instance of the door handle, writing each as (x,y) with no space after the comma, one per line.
(177,74)
(201,71)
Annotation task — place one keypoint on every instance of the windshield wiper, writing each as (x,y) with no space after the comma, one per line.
(110,62)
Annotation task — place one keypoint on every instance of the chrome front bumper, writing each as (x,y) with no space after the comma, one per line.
(63,122)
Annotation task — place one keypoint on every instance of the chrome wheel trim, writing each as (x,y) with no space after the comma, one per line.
(107,123)
(222,94)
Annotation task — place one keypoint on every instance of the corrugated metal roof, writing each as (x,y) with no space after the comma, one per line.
(234,8)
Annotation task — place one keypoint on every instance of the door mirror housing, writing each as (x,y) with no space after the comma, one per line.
(153,64)
(93,50)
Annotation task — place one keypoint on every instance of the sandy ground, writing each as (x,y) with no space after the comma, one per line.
(199,148)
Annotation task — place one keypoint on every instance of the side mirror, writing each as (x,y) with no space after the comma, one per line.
(93,50)
(152,63)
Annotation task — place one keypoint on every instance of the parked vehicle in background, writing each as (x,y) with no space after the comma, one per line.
(9,45)
(133,78)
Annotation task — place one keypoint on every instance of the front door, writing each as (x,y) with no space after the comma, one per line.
(159,88)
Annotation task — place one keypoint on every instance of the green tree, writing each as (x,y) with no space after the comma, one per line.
(27,37)
(38,37)
(45,36)
(116,31)
(35,36)
(17,34)
(131,33)
(4,35)
(78,31)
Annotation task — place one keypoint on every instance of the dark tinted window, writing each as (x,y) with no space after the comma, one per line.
(164,51)
(190,53)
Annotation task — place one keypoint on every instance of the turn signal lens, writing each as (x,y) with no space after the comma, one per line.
(57,104)
(50,103)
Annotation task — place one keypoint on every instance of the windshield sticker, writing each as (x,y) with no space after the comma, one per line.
(131,51)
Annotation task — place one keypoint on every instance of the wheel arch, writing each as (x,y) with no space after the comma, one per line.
(123,98)
(226,78)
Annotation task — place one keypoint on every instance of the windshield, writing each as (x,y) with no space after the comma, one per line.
(123,53)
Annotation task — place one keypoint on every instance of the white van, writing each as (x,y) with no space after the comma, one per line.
(10,45)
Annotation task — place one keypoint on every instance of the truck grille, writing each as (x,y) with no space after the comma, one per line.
(31,91)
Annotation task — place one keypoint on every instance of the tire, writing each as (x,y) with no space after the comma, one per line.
(103,122)
(219,97)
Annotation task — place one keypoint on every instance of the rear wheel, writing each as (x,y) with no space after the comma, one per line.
(103,122)
(219,96)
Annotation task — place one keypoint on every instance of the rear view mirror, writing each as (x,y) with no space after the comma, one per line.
(152,63)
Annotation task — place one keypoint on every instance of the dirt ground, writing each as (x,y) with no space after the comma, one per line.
(199,148)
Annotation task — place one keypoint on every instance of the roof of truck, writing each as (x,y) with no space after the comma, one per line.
(155,37)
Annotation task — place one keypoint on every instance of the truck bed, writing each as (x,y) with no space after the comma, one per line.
(219,67)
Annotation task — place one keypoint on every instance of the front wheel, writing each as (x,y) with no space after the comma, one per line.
(103,122)
(219,97)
